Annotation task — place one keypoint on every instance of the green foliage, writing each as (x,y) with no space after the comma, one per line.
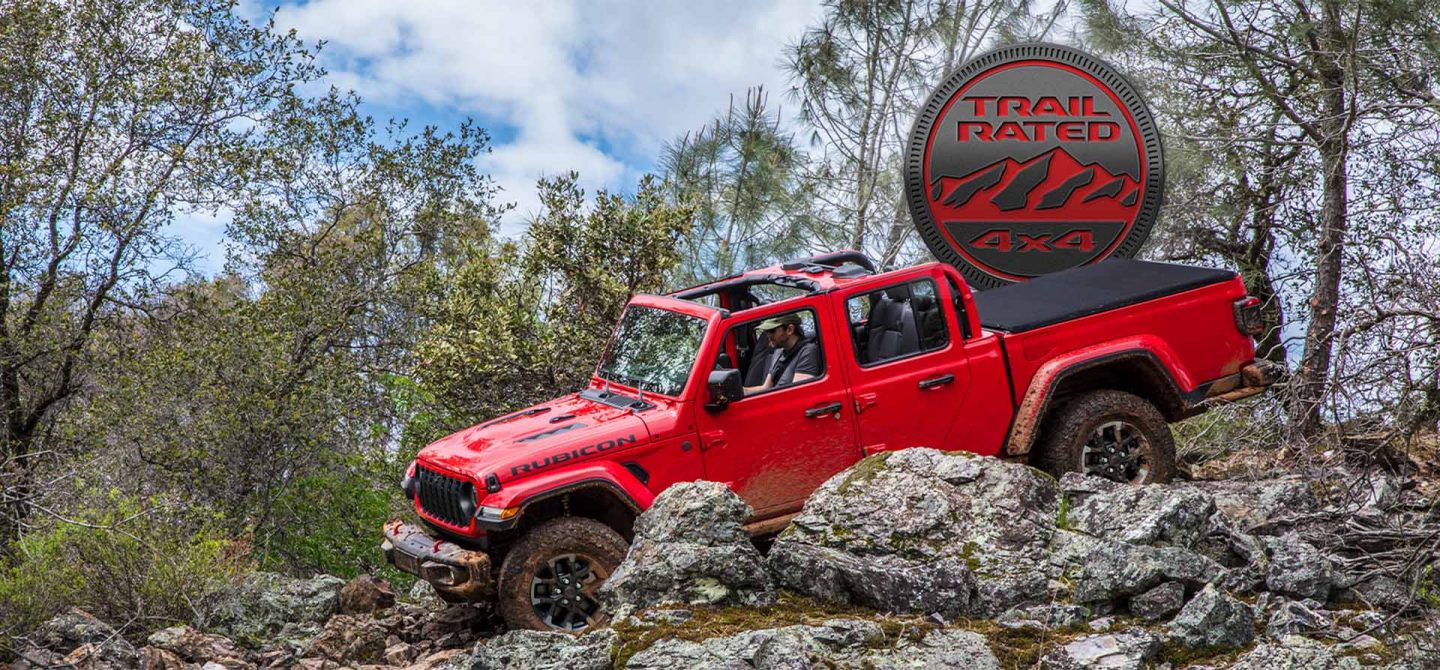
(128,563)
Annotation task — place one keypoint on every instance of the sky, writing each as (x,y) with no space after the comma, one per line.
(593,86)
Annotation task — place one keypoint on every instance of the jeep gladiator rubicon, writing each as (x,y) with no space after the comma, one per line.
(1078,371)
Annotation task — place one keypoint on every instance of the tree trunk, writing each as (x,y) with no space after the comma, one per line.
(1312,378)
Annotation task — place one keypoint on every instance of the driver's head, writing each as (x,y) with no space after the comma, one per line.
(782,330)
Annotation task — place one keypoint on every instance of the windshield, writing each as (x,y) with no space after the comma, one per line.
(653,350)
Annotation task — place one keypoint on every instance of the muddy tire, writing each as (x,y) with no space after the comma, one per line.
(1110,434)
(549,578)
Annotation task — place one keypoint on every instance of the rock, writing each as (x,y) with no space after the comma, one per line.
(1381,592)
(1294,653)
(364,595)
(349,640)
(1130,650)
(543,650)
(892,583)
(1114,569)
(263,608)
(837,643)
(1298,569)
(401,653)
(1154,515)
(192,646)
(1160,602)
(1213,620)
(1253,505)
(154,658)
(456,618)
(423,595)
(1044,617)
(690,548)
(78,639)
(921,510)
(1291,617)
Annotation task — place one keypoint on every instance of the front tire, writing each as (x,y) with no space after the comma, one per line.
(549,579)
(1111,434)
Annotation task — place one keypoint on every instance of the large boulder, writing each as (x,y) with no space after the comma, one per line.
(263,608)
(349,640)
(691,548)
(1260,505)
(837,643)
(1293,652)
(1213,620)
(929,521)
(537,650)
(1121,570)
(1296,568)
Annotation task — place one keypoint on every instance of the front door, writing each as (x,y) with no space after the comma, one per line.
(777,445)
(907,371)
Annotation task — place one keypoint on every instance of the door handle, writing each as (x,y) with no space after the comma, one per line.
(823,410)
(937,381)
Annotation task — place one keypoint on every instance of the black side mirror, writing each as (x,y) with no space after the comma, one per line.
(724,386)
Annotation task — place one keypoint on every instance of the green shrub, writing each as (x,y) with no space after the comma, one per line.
(129,563)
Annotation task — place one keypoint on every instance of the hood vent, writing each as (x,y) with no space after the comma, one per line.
(552,432)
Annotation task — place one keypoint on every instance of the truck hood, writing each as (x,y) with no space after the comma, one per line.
(564,430)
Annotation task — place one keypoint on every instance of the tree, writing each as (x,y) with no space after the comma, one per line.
(1309,82)
(860,76)
(113,114)
(744,176)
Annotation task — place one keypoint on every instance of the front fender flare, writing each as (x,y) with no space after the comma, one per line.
(608,475)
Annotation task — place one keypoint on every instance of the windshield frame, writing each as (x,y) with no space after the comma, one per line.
(708,315)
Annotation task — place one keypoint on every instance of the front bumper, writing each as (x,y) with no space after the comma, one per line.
(447,566)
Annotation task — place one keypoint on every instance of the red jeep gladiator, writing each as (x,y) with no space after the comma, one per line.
(1078,371)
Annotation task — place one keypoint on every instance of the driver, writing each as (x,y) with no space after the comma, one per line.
(795,358)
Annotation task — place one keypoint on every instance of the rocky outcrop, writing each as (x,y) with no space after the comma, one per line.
(363,595)
(690,549)
(838,643)
(535,650)
(902,524)
(75,639)
(265,607)
(1118,651)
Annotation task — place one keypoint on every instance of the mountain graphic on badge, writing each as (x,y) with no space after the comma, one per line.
(1033,159)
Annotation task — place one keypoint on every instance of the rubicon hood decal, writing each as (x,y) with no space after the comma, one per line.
(1032,159)
(573,454)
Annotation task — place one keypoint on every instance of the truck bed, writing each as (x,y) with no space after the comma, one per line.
(1084,291)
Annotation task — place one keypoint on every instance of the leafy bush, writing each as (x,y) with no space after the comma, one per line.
(128,563)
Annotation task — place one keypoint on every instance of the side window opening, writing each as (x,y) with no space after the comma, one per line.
(896,321)
(762,361)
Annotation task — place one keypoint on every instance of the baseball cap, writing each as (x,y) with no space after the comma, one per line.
(777,321)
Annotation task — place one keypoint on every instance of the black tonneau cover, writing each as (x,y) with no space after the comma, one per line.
(1070,294)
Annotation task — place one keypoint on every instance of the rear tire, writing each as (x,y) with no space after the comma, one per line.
(1110,434)
(549,579)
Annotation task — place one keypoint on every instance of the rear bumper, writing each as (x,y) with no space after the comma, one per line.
(1252,379)
(447,566)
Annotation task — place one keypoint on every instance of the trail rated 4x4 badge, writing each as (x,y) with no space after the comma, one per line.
(1031,159)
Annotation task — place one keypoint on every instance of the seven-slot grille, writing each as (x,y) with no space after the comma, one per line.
(445,498)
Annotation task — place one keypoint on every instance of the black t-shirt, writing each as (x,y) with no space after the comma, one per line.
(803,358)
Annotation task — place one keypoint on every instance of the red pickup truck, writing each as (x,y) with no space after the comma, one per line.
(1081,370)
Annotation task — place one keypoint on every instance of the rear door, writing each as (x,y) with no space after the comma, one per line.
(907,369)
(774,447)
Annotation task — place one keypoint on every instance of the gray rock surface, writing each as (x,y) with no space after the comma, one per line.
(1044,617)
(265,607)
(1117,569)
(1298,569)
(537,650)
(1152,515)
(1212,620)
(838,643)
(75,639)
(1118,651)
(690,549)
(1160,602)
(955,517)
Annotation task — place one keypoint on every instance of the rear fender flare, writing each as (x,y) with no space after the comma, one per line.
(1036,402)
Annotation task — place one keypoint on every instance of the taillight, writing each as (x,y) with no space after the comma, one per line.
(1247,316)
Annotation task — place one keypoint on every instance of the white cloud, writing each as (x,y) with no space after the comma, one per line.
(596,87)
